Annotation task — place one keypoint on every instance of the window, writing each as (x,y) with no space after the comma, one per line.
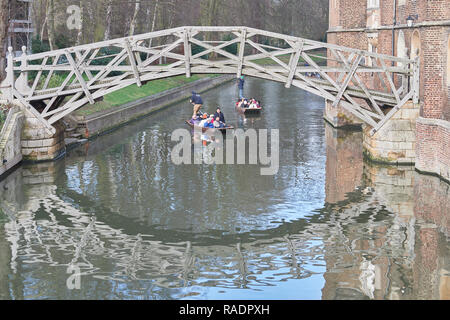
(373,4)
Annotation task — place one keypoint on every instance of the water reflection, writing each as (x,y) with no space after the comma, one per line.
(328,226)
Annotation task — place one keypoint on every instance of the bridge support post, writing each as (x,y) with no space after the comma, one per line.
(395,142)
(39,144)
(7,86)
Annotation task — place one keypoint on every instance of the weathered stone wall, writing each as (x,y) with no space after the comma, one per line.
(10,151)
(395,142)
(40,145)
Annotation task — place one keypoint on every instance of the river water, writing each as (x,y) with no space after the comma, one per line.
(328,225)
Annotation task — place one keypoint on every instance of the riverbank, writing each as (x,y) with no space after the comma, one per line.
(117,110)
(133,93)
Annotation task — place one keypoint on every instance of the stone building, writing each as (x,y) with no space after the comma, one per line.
(406,28)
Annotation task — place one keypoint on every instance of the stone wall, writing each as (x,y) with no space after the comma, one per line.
(10,151)
(433,151)
(395,142)
(40,145)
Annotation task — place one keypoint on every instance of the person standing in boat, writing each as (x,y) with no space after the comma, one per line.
(197,101)
(241,82)
(219,114)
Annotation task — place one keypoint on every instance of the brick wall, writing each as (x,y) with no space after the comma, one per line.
(433,47)
(433,149)
(352,14)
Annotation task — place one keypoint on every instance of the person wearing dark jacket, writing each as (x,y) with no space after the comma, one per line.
(197,101)
(219,114)
(241,83)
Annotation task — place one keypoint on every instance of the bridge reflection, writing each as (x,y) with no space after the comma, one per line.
(382,233)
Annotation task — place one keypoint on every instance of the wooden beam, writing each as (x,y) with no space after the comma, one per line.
(241,52)
(391,113)
(391,83)
(133,64)
(103,73)
(293,64)
(347,81)
(215,49)
(187,53)
(162,53)
(80,77)
(36,80)
(51,130)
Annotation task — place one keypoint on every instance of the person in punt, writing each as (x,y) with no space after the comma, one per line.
(219,114)
(204,120)
(218,123)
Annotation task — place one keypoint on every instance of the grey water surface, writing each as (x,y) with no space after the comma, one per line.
(328,225)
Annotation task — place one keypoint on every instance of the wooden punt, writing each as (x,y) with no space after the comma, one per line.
(223,130)
(249,111)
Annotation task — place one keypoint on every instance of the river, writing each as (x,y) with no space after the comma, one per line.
(328,225)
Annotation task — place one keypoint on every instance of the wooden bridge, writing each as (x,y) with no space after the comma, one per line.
(369,85)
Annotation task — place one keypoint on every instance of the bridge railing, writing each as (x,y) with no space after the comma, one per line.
(53,84)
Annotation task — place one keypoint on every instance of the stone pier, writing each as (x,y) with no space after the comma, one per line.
(38,144)
(395,142)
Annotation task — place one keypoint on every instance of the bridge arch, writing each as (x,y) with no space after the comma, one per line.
(88,72)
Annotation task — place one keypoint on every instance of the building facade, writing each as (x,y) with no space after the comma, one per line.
(407,28)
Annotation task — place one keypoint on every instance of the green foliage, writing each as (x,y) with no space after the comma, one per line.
(99,32)
(197,49)
(38,46)
(62,41)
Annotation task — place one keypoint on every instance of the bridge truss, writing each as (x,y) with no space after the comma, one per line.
(371,86)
